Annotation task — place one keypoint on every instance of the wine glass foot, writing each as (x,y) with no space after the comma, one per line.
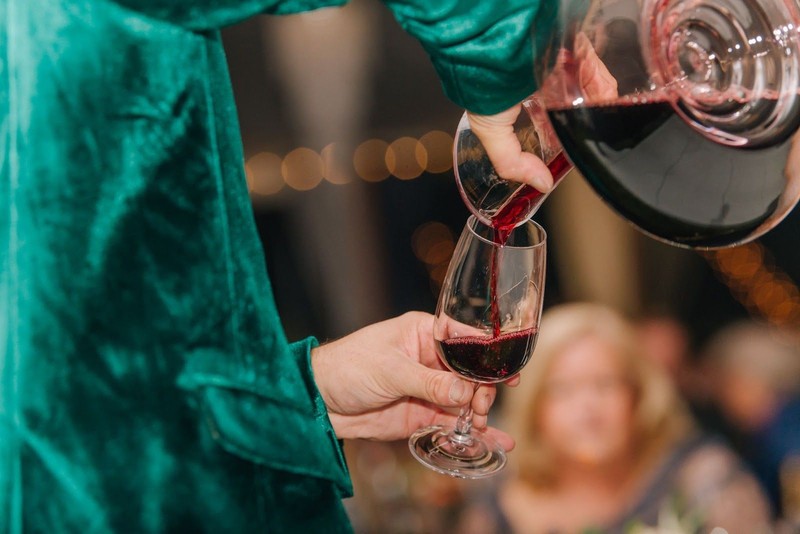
(474,456)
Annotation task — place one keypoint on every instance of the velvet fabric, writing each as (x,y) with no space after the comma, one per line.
(146,383)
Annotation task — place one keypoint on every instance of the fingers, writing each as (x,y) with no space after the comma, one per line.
(513,381)
(596,81)
(483,399)
(445,389)
(503,439)
(420,345)
(481,403)
(447,328)
(496,132)
(442,388)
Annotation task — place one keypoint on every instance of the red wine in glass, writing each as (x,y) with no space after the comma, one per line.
(467,344)
(520,205)
(489,359)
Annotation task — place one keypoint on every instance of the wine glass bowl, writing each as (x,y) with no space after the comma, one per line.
(464,324)
(484,339)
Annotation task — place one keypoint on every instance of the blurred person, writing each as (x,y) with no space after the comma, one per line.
(665,342)
(605,445)
(147,384)
(757,372)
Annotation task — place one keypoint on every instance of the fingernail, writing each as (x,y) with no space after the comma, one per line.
(542,185)
(459,392)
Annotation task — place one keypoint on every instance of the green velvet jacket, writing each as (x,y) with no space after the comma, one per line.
(147,385)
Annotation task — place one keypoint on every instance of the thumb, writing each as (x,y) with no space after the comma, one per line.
(442,388)
(496,132)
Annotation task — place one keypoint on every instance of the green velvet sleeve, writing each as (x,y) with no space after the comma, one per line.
(248,421)
(481,49)
(215,14)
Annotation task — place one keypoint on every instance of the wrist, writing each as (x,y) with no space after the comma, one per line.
(320,371)
(323,378)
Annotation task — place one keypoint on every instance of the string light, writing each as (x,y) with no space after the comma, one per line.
(264,174)
(369,160)
(333,166)
(373,161)
(438,147)
(406,158)
(302,169)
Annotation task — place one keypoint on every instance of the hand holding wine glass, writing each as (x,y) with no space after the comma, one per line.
(485,330)
(385,381)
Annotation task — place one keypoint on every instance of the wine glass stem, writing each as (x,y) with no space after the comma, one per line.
(461,432)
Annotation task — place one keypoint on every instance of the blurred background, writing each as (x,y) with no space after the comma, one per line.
(347,139)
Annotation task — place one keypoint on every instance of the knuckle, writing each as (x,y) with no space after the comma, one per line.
(506,169)
(414,316)
(433,386)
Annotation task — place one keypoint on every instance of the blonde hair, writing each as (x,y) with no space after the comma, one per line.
(660,418)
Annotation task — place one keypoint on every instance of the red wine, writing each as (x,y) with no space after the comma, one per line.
(668,178)
(489,359)
(499,238)
(524,200)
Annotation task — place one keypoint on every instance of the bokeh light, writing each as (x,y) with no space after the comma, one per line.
(369,160)
(403,158)
(767,292)
(302,169)
(264,175)
(427,236)
(374,160)
(437,147)
(433,243)
(437,274)
(440,252)
(335,166)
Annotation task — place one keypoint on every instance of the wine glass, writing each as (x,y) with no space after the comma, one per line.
(485,329)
